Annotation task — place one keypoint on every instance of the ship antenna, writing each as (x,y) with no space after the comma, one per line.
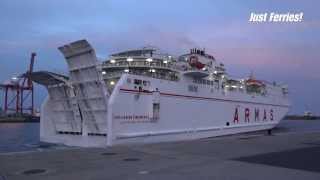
(251,75)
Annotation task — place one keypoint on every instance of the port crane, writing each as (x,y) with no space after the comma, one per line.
(19,92)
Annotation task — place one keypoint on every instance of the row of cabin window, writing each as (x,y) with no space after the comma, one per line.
(193,88)
(204,81)
(141,63)
(141,82)
(161,75)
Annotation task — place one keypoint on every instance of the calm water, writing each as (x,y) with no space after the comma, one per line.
(18,136)
(25,136)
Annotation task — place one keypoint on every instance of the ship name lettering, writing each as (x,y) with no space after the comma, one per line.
(256,115)
(247,115)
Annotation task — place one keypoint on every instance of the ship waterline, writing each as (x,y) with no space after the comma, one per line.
(141,96)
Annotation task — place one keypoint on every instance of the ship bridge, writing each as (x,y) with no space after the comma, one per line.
(138,52)
(145,61)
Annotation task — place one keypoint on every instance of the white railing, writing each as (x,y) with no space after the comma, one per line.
(124,64)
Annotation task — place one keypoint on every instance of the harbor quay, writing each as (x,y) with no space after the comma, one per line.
(285,154)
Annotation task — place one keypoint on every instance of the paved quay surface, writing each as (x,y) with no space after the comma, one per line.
(284,155)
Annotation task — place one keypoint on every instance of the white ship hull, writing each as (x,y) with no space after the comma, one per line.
(157,111)
(182,115)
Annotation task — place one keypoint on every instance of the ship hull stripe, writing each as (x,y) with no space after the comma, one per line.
(200,98)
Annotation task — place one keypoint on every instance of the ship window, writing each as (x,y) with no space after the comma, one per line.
(156,111)
(193,88)
(137,81)
(129,81)
(146,83)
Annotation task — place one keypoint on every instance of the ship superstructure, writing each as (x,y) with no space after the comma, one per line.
(143,96)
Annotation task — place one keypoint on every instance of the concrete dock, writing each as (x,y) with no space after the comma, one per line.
(283,155)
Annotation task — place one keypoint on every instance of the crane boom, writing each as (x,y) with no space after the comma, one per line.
(33,55)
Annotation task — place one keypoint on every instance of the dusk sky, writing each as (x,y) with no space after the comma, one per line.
(285,52)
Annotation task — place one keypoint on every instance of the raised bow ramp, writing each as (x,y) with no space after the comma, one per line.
(75,111)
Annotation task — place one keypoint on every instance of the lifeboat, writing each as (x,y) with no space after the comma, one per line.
(194,62)
(254,82)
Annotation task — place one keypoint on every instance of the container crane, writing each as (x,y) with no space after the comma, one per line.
(19,93)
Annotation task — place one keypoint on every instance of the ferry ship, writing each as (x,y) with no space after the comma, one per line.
(145,96)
